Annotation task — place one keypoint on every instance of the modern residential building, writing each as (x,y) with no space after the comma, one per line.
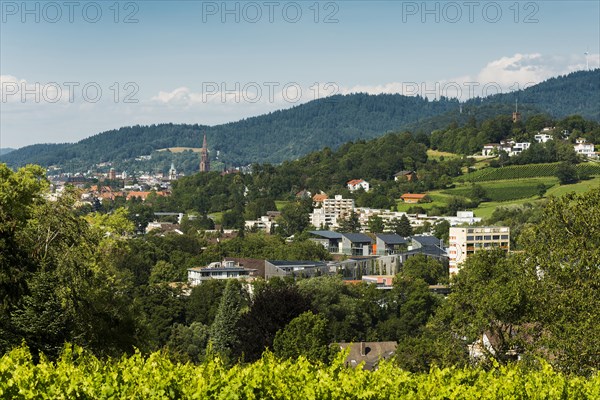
(356,244)
(328,239)
(218,270)
(466,241)
(389,243)
(425,245)
(278,268)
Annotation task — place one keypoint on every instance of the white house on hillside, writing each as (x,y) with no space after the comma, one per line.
(542,137)
(356,184)
(584,148)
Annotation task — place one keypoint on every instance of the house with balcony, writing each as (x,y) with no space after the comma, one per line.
(389,243)
(356,244)
(218,270)
(356,184)
(584,148)
(281,268)
(330,240)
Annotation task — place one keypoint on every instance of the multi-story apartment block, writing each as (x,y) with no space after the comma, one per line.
(466,241)
(331,211)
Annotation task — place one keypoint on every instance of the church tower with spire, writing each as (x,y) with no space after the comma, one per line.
(204,160)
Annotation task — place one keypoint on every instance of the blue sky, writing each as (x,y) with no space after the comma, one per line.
(214,62)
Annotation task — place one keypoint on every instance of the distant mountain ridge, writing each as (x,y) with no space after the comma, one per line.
(330,122)
(6,150)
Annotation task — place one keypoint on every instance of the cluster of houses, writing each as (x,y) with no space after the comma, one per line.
(512,148)
(329,212)
(373,258)
(356,256)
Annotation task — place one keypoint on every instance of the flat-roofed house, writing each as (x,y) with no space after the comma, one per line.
(218,270)
(328,239)
(389,243)
(356,244)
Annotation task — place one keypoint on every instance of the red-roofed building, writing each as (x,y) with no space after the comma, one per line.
(144,195)
(319,198)
(413,198)
(356,184)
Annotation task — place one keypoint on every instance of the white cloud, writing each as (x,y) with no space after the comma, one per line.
(502,75)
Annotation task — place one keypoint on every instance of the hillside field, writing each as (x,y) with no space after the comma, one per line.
(524,171)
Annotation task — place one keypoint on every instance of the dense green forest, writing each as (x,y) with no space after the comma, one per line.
(85,278)
(331,122)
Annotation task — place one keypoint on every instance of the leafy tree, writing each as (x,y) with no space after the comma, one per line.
(272,308)
(224,336)
(115,223)
(541,190)
(232,219)
(402,226)
(294,217)
(478,193)
(188,343)
(566,173)
(164,271)
(432,271)
(203,303)
(563,251)
(435,346)
(305,335)
(349,224)
(159,307)
(376,224)
(409,305)
(53,245)
(441,230)
(491,295)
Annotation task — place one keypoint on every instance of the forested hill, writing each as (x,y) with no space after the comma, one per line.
(273,137)
(291,133)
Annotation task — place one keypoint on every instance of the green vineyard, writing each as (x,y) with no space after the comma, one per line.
(524,171)
(79,375)
(514,191)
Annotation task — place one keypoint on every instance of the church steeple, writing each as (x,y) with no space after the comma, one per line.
(204,160)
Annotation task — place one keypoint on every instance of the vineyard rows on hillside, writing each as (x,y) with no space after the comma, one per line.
(524,172)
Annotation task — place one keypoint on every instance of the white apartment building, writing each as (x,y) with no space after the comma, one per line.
(466,241)
(330,211)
